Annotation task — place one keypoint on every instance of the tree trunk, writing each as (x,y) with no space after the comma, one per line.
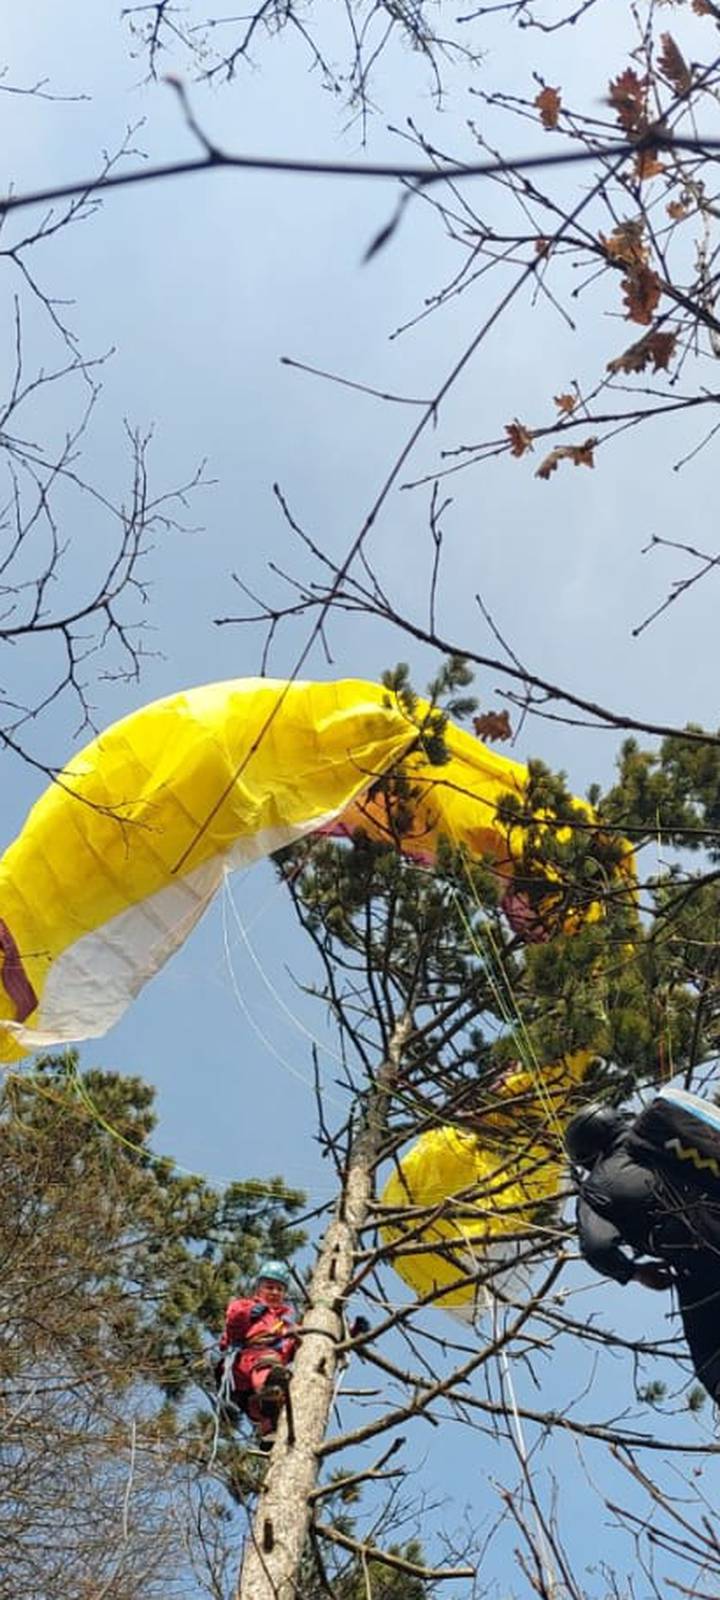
(275,1544)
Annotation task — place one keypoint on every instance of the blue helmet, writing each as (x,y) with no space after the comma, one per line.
(276,1271)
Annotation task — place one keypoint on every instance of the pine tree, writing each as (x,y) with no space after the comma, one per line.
(435,999)
(115,1271)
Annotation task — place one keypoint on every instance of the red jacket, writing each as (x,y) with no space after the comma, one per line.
(251,1325)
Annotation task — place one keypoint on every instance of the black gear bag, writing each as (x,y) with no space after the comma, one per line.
(681,1132)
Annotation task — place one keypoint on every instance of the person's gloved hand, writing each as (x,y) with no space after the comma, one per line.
(653,1275)
(257,1312)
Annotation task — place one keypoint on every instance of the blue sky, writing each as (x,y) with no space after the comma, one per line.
(201,286)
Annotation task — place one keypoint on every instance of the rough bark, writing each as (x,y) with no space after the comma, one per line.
(275,1543)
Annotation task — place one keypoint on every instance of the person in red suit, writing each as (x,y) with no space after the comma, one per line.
(258,1344)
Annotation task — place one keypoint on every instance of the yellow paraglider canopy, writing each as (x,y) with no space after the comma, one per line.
(473,1194)
(121,856)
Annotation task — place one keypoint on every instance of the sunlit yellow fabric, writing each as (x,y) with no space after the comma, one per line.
(485,1187)
(115,831)
(458,802)
(528,1096)
(122,855)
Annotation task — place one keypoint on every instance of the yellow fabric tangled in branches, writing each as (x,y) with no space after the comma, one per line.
(120,857)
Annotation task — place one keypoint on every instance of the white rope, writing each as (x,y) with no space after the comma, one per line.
(129,1484)
(255,1026)
(276,995)
(507,1384)
(222,1398)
